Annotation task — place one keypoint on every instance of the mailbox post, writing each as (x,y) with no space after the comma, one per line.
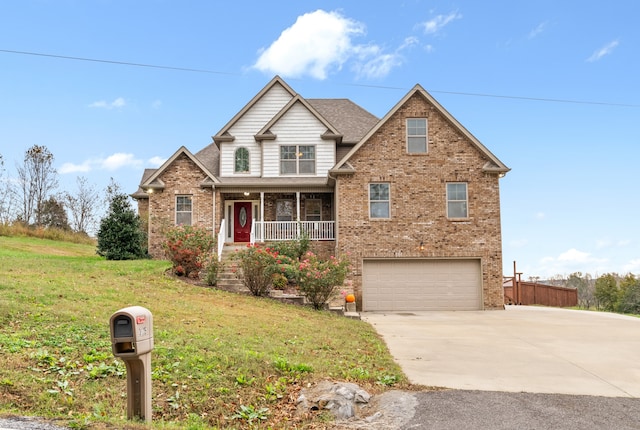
(132,341)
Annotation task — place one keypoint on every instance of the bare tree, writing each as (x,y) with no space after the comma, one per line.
(585,286)
(6,196)
(37,178)
(82,206)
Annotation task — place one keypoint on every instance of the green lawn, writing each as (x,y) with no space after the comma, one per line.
(218,356)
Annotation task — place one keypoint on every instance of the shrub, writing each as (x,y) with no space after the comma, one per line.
(279,281)
(318,279)
(187,247)
(294,249)
(629,299)
(211,269)
(120,236)
(257,266)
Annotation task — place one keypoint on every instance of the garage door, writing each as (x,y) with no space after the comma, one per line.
(405,285)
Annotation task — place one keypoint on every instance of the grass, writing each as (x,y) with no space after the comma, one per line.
(221,360)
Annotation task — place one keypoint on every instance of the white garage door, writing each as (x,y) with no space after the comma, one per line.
(405,285)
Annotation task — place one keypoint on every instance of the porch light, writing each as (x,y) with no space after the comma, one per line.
(421,246)
(246,193)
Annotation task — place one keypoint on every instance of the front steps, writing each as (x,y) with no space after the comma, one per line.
(228,280)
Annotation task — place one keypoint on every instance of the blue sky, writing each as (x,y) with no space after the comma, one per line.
(550,87)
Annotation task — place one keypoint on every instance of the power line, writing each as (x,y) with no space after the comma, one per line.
(121,63)
(216,72)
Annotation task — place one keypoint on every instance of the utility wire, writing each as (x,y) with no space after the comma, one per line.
(186,69)
(122,63)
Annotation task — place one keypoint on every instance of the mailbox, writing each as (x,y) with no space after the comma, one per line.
(131,332)
(132,341)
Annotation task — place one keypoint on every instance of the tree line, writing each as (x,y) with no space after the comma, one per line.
(33,199)
(610,292)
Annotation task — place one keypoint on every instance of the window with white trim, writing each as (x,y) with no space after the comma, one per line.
(379,201)
(417,135)
(457,200)
(184,210)
(297,159)
(241,164)
(313,209)
(284,210)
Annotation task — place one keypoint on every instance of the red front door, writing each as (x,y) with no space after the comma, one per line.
(241,221)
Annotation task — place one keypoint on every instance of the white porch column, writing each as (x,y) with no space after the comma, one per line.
(262,215)
(298,214)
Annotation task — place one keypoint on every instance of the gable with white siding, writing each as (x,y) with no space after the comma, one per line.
(298,126)
(246,127)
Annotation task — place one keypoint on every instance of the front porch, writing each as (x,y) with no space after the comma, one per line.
(251,217)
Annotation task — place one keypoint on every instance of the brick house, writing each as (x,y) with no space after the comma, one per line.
(412,198)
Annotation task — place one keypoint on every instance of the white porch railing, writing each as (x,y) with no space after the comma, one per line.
(291,230)
(252,235)
(221,234)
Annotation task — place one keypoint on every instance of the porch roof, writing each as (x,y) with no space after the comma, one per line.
(286,184)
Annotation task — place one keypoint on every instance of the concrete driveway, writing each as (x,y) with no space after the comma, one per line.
(521,349)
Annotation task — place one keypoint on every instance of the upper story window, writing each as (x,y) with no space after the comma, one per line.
(417,135)
(241,160)
(297,159)
(379,202)
(457,200)
(184,210)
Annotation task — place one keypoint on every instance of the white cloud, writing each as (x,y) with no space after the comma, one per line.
(112,162)
(75,168)
(571,261)
(605,50)
(536,31)
(156,161)
(321,42)
(573,255)
(316,42)
(117,103)
(437,23)
(157,104)
(540,215)
(118,160)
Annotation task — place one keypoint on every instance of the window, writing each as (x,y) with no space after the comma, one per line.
(313,210)
(183,210)
(242,160)
(284,210)
(379,201)
(297,160)
(457,200)
(417,135)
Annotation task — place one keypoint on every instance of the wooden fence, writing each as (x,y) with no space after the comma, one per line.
(532,293)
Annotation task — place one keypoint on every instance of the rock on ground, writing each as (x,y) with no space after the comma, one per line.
(354,408)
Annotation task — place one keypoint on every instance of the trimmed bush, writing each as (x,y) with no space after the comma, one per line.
(188,248)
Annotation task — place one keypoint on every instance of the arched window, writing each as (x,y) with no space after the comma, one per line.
(242,160)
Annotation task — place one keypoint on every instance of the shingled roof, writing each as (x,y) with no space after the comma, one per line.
(347,117)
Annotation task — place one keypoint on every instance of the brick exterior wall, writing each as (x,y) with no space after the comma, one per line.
(418,200)
(182,177)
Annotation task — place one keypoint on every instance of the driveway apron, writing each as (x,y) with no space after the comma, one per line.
(521,349)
